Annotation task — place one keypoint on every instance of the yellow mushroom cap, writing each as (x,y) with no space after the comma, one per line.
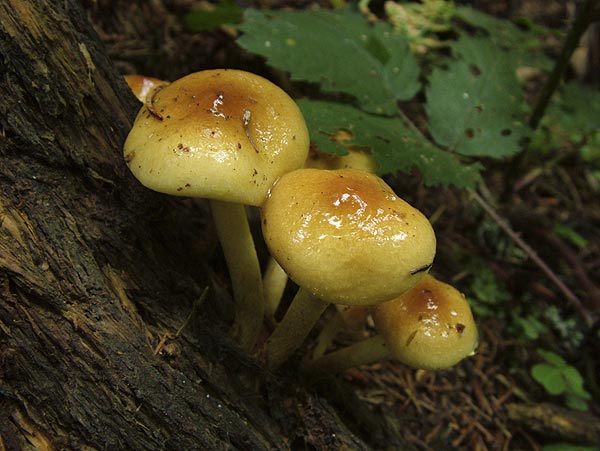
(429,327)
(220,134)
(356,158)
(143,86)
(344,235)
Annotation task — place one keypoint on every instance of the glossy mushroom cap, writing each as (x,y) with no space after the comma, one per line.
(345,237)
(429,327)
(218,134)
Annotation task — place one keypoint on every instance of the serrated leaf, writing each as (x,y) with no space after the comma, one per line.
(524,45)
(474,105)
(339,50)
(394,145)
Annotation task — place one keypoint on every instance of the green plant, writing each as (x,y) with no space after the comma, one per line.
(441,98)
(371,66)
(568,328)
(527,326)
(474,102)
(208,16)
(488,296)
(559,378)
(571,235)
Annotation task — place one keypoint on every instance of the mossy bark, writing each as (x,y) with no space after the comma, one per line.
(97,274)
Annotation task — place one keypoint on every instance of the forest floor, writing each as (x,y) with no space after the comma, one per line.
(519,308)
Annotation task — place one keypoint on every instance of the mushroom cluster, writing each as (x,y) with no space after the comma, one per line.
(344,237)
(340,234)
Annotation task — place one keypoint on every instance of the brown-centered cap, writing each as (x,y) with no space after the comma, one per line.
(220,134)
(429,327)
(344,235)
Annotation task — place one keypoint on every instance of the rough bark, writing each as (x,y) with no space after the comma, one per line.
(97,275)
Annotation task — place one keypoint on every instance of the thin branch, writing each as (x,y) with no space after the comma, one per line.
(580,25)
(569,295)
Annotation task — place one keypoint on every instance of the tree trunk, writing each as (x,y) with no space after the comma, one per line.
(98,274)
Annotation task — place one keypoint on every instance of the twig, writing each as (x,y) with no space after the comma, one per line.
(172,336)
(580,25)
(571,297)
(575,263)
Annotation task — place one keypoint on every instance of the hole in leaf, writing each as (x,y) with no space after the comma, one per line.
(506,132)
(475,71)
(479,108)
(341,135)
(469,133)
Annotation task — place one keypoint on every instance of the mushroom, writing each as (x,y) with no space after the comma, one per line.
(142,86)
(344,237)
(275,279)
(224,135)
(429,327)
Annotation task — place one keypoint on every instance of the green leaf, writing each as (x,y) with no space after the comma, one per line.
(552,358)
(474,105)
(394,145)
(570,234)
(339,50)
(487,294)
(575,382)
(550,377)
(576,403)
(210,17)
(529,326)
(502,32)
(524,44)
(576,109)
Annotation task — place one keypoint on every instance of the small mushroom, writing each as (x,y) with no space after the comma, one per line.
(142,86)
(429,327)
(224,135)
(344,237)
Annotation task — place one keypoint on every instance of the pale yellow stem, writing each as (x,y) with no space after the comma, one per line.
(239,251)
(274,282)
(301,316)
(363,352)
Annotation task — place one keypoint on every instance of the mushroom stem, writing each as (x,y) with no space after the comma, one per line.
(302,314)
(366,351)
(350,319)
(327,334)
(274,282)
(238,247)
